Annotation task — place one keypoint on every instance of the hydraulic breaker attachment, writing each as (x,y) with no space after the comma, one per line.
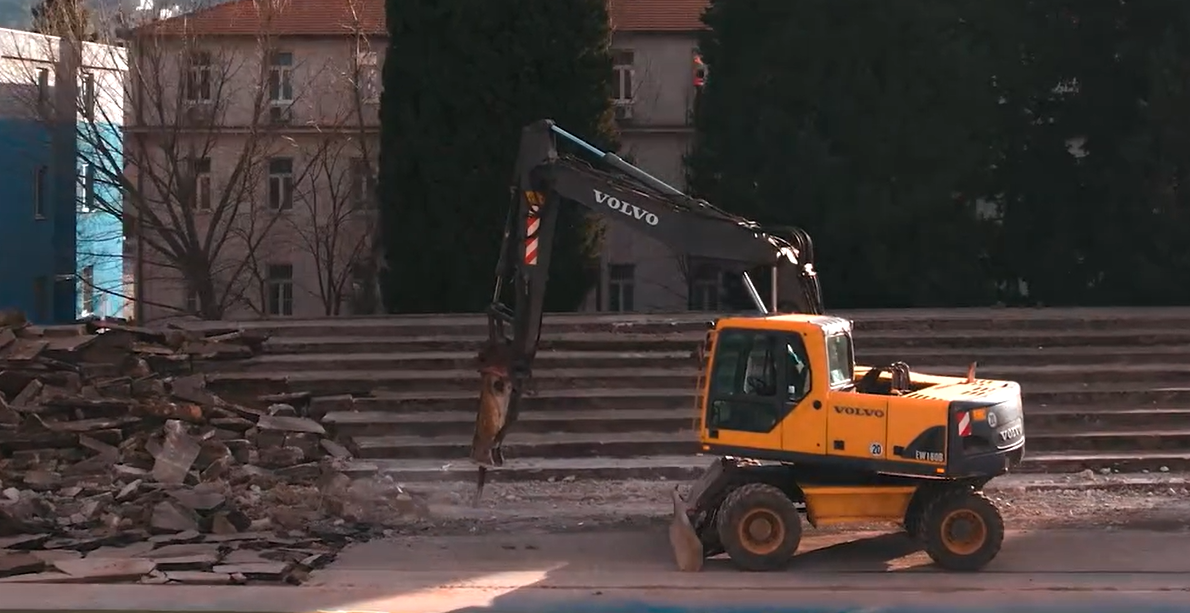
(494,364)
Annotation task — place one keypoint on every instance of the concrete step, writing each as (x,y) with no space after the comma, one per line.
(1073,420)
(974,340)
(688,467)
(464,360)
(1104,396)
(523,444)
(1076,418)
(450,360)
(446,423)
(585,443)
(892,319)
(361,381)
(544,400)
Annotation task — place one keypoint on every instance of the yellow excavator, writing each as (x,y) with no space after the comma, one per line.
(796,427)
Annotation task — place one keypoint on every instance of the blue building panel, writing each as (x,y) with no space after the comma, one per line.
(26,219)
(99,236)
(61,234)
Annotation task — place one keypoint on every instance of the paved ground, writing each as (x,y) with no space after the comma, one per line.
(622,571)
(601,546)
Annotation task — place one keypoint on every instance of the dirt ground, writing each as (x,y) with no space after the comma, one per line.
(1159,502)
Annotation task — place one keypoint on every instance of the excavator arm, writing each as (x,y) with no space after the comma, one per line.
(543,180)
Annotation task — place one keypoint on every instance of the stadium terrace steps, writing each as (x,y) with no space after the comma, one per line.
(612,394)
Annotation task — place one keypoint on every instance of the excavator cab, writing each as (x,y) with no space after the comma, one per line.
(796,426)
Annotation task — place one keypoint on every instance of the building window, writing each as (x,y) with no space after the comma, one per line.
(88,96)
(86,189)
(706,288)
(90,301)
(198,77)
(281,184)
(623,76)
(621,286)
(363,184)
(281,78)
(39,191)
(41,298)
(368,67)
(43,86)
(279,288)
(200,169)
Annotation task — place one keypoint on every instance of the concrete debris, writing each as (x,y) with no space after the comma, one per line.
(117,464)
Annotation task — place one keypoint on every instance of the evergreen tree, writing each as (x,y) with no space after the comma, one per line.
(461,80)
(1096,146)
(865,122)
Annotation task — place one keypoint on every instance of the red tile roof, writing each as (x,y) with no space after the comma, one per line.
(278,17)
(335,17)
(657,15)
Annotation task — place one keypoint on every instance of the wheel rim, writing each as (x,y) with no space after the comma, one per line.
(761,531)
(964,532)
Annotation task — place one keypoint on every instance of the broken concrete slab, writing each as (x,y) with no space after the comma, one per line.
(106,568)
(19,563)
(289,424)
(171,517)
(199,498)
(178,453)
(197,577)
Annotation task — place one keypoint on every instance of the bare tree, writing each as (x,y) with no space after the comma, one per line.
(198,175)
(338,199)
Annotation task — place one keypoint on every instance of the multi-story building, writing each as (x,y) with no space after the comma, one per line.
(236,146)
(252,143)
(655,49)
(61,238)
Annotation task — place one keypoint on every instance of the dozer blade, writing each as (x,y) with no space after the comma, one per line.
(687,547)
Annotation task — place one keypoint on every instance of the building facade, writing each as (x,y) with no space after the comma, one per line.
(61,237)
(301,245)
(655,45)
(270,118)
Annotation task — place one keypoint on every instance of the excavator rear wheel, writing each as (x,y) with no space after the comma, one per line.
(759,527)
(962,530)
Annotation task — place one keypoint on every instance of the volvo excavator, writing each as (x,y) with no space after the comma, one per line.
(798,431)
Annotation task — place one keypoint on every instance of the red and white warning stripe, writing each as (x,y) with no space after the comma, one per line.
(534,223)
(965,425)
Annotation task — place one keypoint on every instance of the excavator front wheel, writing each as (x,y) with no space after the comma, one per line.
(962,530)
(759,527)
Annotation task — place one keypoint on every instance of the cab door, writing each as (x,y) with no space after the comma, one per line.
(804,427)
(746,390)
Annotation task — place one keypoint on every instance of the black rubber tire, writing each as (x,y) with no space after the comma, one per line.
(749,498)
(934,515)
(914,513)
(913,518)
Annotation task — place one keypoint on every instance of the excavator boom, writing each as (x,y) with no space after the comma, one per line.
(544,179)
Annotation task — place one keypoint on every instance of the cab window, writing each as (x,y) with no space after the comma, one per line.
(751,383)
(797,370)
(745,364)
(840,360)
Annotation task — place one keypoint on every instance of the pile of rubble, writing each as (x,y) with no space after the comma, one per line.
(116,463)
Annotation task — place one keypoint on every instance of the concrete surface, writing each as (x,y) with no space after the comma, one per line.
(1045,570)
